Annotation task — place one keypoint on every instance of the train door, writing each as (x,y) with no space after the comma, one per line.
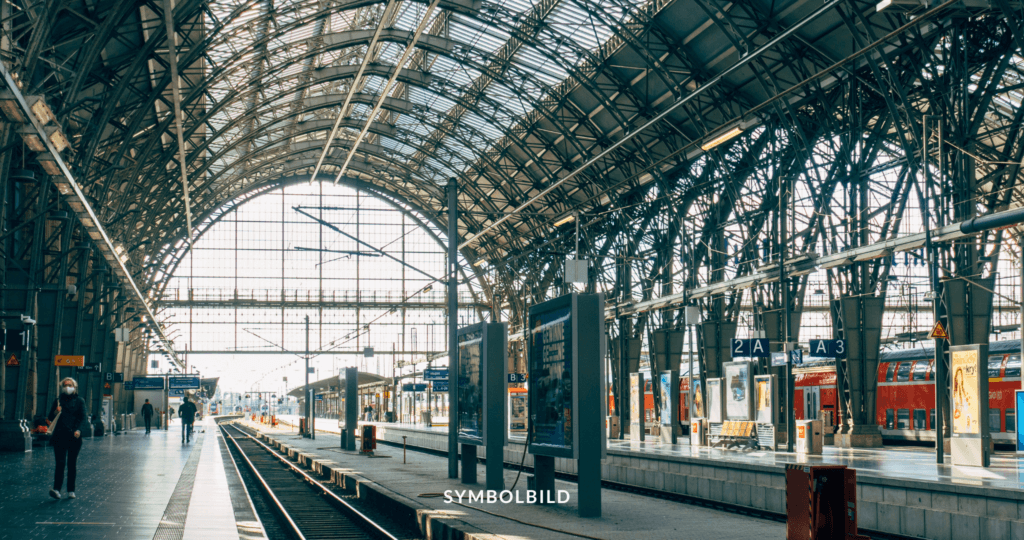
(812,402)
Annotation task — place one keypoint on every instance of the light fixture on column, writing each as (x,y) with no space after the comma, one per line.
(727,133)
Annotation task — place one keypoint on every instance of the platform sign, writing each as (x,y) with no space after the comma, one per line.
(430,375)
(438,386)
(765,398)
(969,402)
(778,359)
(471,390)
(827,348)
(747,348)
(148,383)
(1019,434)
(95,368)
(550,356)
(67,360)
(714,400)
(516,378)
(419,387)
(738,381)
(129,385)
(183,383)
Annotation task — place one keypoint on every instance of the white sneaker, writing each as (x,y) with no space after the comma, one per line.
(55,494)
(71,494)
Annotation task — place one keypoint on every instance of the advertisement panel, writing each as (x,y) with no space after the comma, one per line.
(636,405)
(764,399)
(550,358)
(665,388)
(471,390)
(714,401)
(698,400)
(966,410)
(737,391)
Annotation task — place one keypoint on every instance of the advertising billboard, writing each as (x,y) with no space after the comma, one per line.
(764,399)
(471,390)
(714,401)
(665,388)
(737,391)
(550,357)
(964,366)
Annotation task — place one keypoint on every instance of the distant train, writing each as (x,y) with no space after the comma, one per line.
(905,401)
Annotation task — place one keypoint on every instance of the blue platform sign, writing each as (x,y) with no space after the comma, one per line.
(129,385)
(747,348)
(440,386)
(414,387)
(148,383)
(1020,421)
(827,348)
(183,383)
(435,374)
(796,356)
(176,392)
(516,377)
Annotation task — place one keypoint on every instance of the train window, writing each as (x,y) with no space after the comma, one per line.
(920,369)
(903,372)
(889,419)
(919,415)
(931,418)
(994,425)
(902,418)
(1012,367)
(1011,421)
(995,366)
(889,372)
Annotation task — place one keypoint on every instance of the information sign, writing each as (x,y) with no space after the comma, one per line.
(435,375)
(550,358)
(746,348)
(418,387)
(176,392)
(438,386)
(183,383)
(95,368)
(67,360)
(471,391)
(827,348)
(148,383)
(129,385)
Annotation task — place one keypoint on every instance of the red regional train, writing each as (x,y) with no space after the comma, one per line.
(905,406)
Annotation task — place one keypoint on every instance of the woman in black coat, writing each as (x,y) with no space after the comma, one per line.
(66,435)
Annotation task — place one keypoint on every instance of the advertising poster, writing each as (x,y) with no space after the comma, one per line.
(966,410)
(471,390)
(665,386)
(636,404)
(737,391)
(550,376)
(517,412)
(698,400)
(763,399)
(714,401)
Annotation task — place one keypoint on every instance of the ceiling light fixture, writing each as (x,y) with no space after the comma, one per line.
(567,219)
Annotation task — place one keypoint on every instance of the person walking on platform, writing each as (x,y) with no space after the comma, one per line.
(187,412)
(68,411)
(147,414)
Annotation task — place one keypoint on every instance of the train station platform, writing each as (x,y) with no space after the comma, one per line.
(901,491)
(414,486)
(131,486)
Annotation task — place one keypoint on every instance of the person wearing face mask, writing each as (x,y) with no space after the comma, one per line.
(66,437)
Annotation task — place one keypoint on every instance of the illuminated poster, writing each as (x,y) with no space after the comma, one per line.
(636,402)
(471,390)
(966,411)
(665,386)
(714,400)
(764,398)
(550,357)
(517,412)
(737,391)
(698,400)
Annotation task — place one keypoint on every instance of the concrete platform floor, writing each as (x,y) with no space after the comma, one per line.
(625,516)
(912,463)
(130,486)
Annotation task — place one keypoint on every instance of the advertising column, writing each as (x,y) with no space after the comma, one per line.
(969,400)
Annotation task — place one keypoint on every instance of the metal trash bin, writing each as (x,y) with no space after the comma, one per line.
(698,432)
(809,438)
(612,424)
(425,418)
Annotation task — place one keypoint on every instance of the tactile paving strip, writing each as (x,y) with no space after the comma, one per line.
(172,525)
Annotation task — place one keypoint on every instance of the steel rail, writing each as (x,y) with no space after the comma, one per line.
(344,506)
(266,488)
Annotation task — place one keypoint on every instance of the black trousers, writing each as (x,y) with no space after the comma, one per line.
(66,452)
(148,419)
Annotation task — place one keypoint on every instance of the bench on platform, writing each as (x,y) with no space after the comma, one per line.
(736,434)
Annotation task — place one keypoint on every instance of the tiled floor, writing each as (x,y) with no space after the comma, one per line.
(125,483)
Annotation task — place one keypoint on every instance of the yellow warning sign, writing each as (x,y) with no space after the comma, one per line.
(12,361)
(938,332)
(106,385)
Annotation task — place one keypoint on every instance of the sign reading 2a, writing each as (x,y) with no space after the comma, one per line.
(746,348)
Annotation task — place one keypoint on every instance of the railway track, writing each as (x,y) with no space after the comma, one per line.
(306,508)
